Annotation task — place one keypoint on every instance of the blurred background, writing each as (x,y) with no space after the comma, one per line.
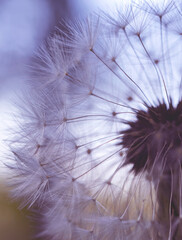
(24,25)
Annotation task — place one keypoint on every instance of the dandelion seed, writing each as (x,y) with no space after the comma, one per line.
(99,146)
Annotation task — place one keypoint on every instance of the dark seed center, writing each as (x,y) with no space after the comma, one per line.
(153,140)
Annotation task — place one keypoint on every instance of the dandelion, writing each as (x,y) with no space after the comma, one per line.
(98,149)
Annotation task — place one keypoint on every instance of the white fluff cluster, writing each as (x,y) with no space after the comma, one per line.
(86,83)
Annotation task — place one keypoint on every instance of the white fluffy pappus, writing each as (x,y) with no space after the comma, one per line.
(98,148)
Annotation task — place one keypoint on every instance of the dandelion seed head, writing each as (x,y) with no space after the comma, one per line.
(105,103)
